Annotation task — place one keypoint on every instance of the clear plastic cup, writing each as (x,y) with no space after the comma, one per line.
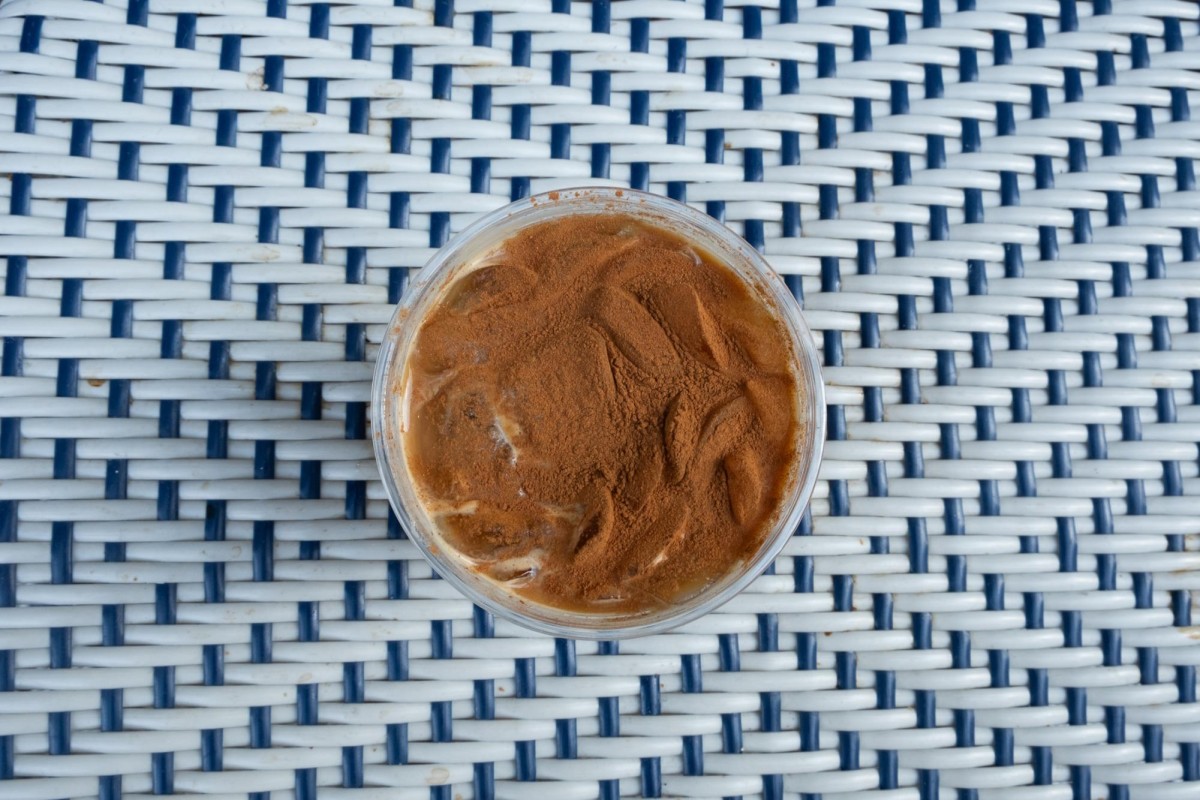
(389,407)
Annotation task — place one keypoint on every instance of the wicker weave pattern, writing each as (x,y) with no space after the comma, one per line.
(988,208)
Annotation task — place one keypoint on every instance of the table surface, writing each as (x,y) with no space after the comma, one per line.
(988,209)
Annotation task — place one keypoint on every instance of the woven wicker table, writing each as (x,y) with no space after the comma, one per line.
(988,209)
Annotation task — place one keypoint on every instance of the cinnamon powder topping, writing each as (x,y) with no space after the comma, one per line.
(602,417)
